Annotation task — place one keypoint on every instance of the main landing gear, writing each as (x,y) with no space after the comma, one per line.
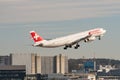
(70,46)
(76,47)
(65,47)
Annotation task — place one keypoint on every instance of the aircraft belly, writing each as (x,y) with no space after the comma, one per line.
(54,44)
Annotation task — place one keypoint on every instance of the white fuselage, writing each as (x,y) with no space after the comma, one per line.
(72,39)
(62,40)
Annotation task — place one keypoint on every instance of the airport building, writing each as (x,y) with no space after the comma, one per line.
(5,60)
(41,64)
(12,72)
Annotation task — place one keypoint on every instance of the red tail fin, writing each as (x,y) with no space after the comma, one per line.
(35,36)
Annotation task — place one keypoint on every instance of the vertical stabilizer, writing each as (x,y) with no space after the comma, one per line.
(35,36)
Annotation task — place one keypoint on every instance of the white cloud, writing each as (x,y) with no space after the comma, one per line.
(25,11)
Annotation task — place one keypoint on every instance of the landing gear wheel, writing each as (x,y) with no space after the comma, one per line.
(65,48)
(99,38)
(76,47)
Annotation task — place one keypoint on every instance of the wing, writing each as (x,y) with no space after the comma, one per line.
(78,38)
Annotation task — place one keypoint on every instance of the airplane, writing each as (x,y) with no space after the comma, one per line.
(68,41)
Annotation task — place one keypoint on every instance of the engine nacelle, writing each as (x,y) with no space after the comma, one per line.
(90,39)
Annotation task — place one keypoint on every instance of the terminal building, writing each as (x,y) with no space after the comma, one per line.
(41,64)
(33,67)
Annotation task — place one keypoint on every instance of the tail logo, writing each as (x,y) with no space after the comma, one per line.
(36,37)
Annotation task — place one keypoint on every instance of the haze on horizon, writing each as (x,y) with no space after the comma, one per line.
(57,18)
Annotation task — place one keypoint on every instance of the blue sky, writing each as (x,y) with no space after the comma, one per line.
(57,18)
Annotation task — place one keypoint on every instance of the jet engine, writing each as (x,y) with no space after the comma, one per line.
(90,39)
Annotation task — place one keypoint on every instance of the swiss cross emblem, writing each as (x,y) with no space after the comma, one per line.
(36,36)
